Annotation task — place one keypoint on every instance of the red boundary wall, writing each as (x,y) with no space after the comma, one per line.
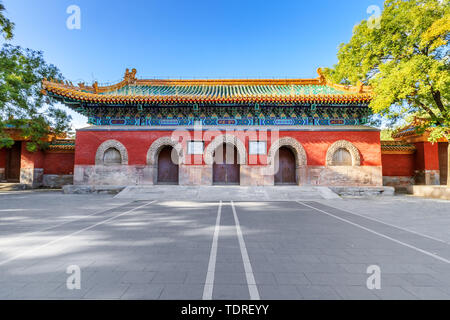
(401,165)
(54,162)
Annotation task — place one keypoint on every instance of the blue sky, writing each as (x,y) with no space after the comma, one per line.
(187,39)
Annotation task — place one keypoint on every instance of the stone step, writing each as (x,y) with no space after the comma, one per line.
(226,193)
(11,186)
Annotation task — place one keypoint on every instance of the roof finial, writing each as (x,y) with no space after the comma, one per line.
(322,79)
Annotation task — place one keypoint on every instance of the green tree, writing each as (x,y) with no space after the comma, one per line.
(404,55)
(22,105)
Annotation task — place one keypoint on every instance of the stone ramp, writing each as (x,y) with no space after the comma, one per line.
(226,193)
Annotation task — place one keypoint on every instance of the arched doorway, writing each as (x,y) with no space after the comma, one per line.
(443,162)
(12,170)
(285,163)
(226,168)
(167,169)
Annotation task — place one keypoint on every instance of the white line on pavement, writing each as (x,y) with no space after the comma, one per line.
(252,288)
(435,256)
(209,284)
(394,226)
(27,234)
(71,234)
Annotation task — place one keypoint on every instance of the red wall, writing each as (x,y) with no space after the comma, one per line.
(398,164)
(31,159)
(427,156)
(315,143)
(59,163)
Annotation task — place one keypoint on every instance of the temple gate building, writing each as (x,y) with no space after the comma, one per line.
(176,131)
(206,132)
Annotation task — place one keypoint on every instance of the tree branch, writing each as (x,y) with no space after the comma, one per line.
(437,99)
(430,112)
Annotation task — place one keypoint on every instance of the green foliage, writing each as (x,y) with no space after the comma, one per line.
(6,26)
(406,61)
(386,135)
(22,105)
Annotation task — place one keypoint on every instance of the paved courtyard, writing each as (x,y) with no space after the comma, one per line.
(162,249)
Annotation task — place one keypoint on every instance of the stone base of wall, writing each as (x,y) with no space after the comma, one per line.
(195,175)
(113,175)
(57,180)
(397,181)
(32,177)
(256,176)
(250,175)
(427,177)
(344,176)
(2,174)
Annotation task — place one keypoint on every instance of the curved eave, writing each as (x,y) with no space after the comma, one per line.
(397,147)
(405,133)
(397,150)
(61,148)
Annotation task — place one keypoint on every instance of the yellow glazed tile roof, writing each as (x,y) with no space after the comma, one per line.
(136,91)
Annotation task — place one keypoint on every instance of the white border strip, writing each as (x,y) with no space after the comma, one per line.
(380,234)
(252,288)
(209,283)
(71,234)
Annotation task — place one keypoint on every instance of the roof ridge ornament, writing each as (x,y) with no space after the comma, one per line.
(130,77)
(360,86)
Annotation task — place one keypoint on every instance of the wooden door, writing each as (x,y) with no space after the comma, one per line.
(286,167)
(12,171)
(226,170)
(167,169)
(443,161)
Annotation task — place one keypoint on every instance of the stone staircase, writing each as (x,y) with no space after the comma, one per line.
(226,193)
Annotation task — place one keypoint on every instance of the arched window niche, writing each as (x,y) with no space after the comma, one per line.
(343,153)
(112,157)
(342,157)
(111,153)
